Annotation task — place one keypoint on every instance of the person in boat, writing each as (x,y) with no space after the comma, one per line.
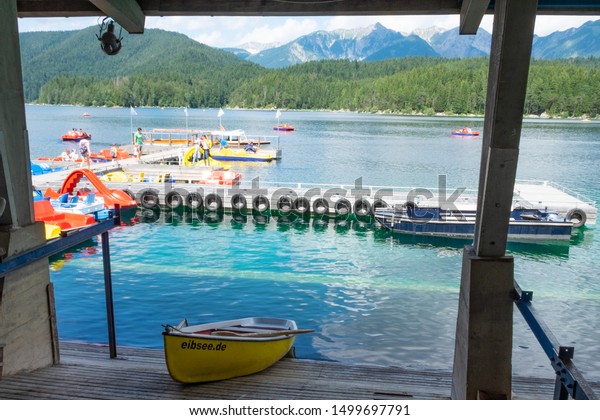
(250,147)
(73,155)
(138,141)
(114,151)
(84,151)
(224,144)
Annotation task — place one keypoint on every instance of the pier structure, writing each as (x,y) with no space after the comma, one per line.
(161,182)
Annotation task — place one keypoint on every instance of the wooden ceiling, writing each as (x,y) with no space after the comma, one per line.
(130,14)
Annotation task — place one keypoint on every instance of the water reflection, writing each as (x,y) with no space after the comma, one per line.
(360,226)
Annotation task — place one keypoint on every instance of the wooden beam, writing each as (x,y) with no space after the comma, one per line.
(512,37)
(471,14)
(15,181)
(62,8)
(126,13)
(79,8)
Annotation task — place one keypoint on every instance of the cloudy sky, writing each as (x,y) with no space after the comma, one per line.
(223,32)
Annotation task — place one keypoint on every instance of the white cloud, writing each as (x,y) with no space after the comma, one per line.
(233,31)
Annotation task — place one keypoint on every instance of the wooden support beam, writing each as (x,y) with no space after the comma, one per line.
(483,346)
(471,14)
(15,181)
(512,37)
(126,13)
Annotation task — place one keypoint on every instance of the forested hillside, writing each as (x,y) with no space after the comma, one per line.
(168,69)
(159,68)
(421,85)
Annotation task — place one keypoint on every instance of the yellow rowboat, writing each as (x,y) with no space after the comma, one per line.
(226,349)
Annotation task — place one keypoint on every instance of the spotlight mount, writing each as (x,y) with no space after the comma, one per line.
(109,43)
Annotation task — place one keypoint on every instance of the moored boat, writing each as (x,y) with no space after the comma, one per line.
(465,132)
(524,224)
(226,349)
(283,127)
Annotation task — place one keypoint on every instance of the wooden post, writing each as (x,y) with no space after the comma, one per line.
(110,313)
(483,346)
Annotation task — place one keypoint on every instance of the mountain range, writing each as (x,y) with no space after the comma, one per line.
(376,42)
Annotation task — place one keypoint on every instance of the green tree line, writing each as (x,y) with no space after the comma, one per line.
(564,88)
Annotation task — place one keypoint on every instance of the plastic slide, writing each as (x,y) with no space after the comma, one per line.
(111,197)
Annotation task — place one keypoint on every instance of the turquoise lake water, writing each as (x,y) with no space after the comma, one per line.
(372,297)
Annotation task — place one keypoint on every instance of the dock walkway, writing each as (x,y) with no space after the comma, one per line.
(340,200)
(87,372)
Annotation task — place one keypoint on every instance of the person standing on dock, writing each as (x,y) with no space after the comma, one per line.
(138,142)
(205,148)
(84,151)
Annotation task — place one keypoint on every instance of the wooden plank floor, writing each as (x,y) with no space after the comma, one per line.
(87,372)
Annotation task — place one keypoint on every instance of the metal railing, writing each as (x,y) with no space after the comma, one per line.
(569,381)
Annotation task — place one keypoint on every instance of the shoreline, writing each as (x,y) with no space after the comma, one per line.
(543,116)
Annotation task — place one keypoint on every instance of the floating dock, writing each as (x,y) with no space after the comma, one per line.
(160,181)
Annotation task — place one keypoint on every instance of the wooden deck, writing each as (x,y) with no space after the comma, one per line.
(87,372)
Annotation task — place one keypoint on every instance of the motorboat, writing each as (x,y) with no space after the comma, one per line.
(524,224)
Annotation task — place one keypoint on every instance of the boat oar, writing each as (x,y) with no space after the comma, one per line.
(261,334)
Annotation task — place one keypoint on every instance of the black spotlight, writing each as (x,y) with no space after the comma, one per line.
(110,44)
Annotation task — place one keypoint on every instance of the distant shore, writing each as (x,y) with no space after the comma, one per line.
(543,116)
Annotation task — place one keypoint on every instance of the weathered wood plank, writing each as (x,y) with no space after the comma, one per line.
(87,372)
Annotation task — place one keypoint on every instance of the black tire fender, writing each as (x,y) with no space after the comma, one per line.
(238,202)
(321,207)
(193,201)
(213,202)
(173,200)
(149,199)
(342,207)
(577,216)
(301,205)
(362,207)
(260,203)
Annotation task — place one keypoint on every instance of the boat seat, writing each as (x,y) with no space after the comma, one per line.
(248,330)
(91,197)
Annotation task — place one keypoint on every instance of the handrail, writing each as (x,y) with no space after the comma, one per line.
(569,381)
(64,242)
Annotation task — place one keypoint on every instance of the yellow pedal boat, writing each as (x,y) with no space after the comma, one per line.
(226,349)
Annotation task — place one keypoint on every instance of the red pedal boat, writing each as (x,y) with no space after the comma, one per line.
(284,127)
(465,132)
(76,135)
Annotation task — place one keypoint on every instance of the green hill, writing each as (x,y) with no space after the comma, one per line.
(191,73)
(163,68)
